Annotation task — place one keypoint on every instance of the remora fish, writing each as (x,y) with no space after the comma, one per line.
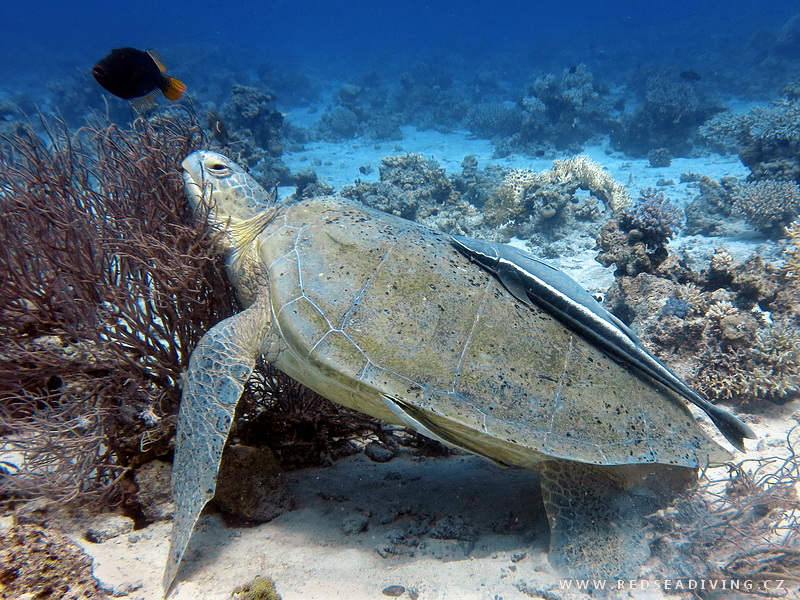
(533,281)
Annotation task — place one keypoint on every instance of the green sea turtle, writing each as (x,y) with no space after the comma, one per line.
(475,344)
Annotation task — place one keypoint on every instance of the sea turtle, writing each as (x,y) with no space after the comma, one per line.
(475,344)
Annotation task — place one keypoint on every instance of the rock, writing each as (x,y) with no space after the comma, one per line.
(393,591)
(108,526)
(378,452)
(355,524)
(250,486)
(518,556)
(454,528)
(154,493)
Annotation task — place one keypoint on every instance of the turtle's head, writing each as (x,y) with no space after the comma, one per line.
(220,188)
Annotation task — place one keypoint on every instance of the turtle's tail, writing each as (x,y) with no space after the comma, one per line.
(731,427)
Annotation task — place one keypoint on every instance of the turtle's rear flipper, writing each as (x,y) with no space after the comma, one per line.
(218,369)
(596,527)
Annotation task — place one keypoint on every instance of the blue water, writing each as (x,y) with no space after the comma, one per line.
(40,41)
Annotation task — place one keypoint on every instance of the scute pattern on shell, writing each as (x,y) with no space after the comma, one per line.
(378,303)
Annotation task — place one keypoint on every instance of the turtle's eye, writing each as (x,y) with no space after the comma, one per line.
(218,169)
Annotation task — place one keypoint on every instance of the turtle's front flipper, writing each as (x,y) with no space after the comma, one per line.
(218,369)
(596,529)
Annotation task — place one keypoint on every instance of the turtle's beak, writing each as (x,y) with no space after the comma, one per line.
(192,167)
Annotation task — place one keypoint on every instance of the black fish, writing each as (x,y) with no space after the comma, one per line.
(129,73)
(691,75)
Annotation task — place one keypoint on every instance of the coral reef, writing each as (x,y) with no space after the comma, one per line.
(659,157)
(417,188)
(254,133)
(293,86)
(427,99)
(676,307)
(473,185)
(308,185)
(36,563)
(671,111)
(548,203)
(749,364)
(494,119)
(767,205)
(361,109)
(261,588)
(338,124)
(766,138)
(251,112)
(791,264)
(707,213)
(592,177)
(564,110)
(735,332)
(636,240)
(654,216)
(628,254)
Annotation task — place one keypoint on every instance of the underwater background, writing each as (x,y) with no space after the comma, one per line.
(651,150)
(42,41)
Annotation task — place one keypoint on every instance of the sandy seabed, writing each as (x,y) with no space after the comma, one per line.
(442,528)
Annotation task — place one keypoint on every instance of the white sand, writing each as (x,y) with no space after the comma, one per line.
(310,557)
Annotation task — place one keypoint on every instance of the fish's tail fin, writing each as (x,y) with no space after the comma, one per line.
(731,427)
(173,87)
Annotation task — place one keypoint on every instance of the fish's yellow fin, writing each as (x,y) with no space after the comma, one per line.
(174,88)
